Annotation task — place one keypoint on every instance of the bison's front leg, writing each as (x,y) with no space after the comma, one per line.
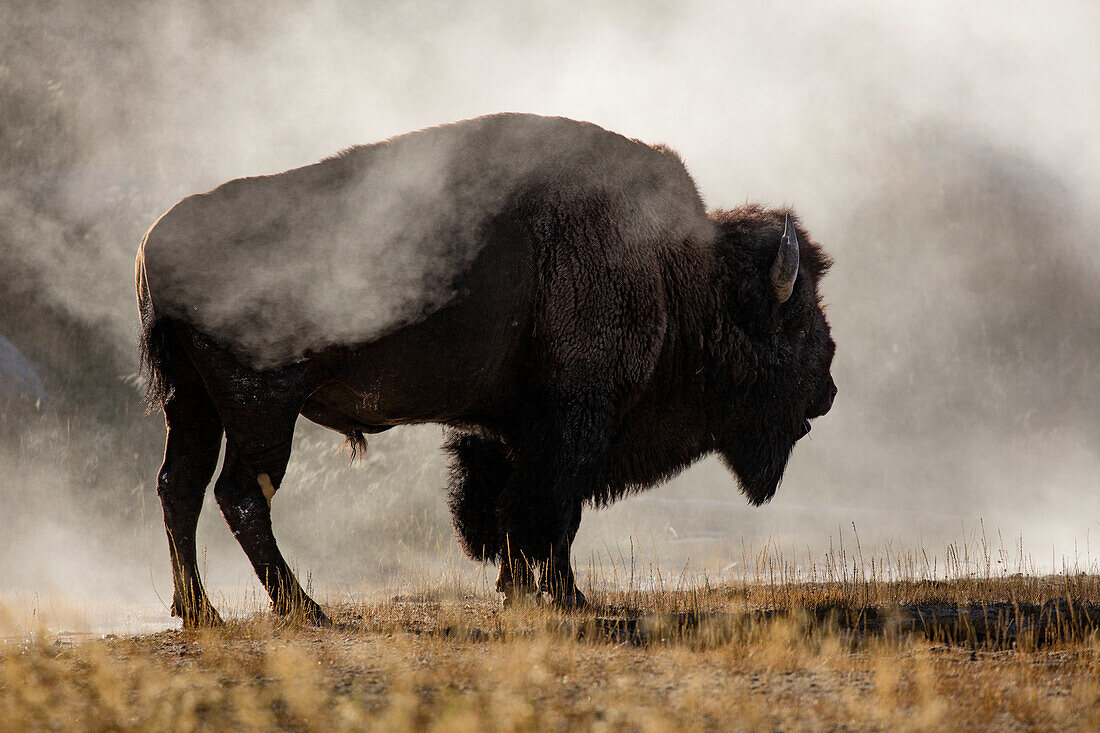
(541,509)
(481,468)
(540,536)
(558,579)
(516,580)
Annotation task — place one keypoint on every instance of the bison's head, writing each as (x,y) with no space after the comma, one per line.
(772,344)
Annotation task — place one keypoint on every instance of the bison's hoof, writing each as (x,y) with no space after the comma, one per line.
(198,618)
(305,616)
(318,618)
(572,601)
(516,598)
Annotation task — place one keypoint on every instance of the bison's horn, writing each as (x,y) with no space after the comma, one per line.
(785,267)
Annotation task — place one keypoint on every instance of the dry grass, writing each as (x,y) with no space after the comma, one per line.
(823,648)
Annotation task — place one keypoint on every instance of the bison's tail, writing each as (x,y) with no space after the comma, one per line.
(157,345)
(480,468)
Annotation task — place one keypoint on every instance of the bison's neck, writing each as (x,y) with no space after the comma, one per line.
(706,365)
(677,400)
(667,429)
(711,366)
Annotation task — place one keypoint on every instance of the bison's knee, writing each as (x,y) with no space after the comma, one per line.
(480,469)
(536,524)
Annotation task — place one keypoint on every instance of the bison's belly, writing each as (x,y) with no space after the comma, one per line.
(327,407)
(411,377)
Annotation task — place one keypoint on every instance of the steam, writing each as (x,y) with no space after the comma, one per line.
(348,250)
(944,154)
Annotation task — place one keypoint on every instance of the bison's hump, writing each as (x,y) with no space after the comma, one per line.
(351,248)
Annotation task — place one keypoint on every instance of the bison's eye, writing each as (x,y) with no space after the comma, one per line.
(802,330)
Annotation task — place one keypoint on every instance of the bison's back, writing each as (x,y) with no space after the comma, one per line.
(354,247)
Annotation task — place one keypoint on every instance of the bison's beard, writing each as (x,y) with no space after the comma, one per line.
(758,459)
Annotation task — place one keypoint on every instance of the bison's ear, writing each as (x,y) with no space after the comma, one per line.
(785,268)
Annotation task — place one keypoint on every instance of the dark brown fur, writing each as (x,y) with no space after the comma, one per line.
(603,339)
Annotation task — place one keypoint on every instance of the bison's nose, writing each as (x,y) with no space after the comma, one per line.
(825,401)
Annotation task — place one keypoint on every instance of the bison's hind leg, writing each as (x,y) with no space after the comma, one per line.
(258,410)
(190,457)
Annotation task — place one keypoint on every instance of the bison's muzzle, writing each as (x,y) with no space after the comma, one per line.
(824,402)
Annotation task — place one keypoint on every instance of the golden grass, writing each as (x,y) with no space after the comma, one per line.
(796,654)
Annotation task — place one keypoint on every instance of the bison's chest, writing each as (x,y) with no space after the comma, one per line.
(650,449)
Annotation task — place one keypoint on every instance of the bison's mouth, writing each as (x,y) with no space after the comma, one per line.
(803,429)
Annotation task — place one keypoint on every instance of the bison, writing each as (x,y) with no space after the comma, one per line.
(553,293)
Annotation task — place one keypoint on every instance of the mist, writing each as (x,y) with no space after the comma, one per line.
(944,154)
